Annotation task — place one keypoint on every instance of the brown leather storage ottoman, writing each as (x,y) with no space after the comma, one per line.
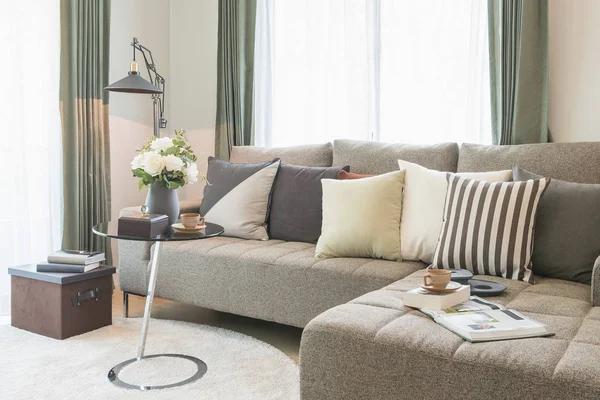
(61,305)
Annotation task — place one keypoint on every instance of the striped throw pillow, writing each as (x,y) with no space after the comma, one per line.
(488,227)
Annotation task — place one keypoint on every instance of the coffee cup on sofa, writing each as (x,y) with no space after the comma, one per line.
(438,278)
(190,220)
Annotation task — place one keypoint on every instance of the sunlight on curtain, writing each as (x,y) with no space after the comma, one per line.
(391,70)
(30,136)
(317,89)
(434,72)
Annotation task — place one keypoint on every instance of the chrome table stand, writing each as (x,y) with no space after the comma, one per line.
(113,374)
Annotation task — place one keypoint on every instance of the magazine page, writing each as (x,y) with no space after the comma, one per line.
(492,324)
(474,304)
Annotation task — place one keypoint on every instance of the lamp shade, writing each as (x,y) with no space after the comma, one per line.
(133,83)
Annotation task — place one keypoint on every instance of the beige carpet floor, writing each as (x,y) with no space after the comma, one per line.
(239,366)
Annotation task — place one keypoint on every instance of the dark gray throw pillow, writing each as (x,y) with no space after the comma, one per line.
(566,241)
(297,203)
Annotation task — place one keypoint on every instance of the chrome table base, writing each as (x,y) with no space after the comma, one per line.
(113,374)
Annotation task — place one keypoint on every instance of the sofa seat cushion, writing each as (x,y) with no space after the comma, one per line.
(380,331)
(273,280)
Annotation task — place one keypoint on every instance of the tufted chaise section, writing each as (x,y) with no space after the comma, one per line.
(376,348)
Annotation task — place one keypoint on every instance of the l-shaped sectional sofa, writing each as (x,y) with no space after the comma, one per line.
(359,340)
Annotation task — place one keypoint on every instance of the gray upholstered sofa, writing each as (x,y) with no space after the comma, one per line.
(359,341)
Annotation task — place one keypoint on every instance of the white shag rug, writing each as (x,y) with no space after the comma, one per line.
(239,366)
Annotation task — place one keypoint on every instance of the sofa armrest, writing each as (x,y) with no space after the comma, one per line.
(596,283)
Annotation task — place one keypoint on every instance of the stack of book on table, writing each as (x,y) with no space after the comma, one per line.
(72,261)
(473,318)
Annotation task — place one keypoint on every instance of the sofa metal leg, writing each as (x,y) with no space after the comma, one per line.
(125,305)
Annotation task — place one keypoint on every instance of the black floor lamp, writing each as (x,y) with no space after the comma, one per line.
(134,83)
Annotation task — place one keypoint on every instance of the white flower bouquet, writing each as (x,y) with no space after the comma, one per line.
(169,161)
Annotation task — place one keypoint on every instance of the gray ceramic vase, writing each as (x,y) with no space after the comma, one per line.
(161,200)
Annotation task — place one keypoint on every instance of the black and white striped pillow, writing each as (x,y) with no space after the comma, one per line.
(488,227)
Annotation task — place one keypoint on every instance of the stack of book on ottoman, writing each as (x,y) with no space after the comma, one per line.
(451,305)
(71,261)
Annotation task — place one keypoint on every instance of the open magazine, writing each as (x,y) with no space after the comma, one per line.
(478,320)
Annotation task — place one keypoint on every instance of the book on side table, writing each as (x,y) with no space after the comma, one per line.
(66,268)
(77,257)
(478,320)
(71,261)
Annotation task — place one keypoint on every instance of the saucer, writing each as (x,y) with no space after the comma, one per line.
(451,287)
(178,227)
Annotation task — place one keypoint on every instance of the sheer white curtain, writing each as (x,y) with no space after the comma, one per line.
(412,71)
(30,136)
(311,71)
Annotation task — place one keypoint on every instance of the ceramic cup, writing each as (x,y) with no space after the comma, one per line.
(190,220)
(438,278)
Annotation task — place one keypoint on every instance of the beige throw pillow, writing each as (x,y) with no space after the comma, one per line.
(361,218)
(423,205)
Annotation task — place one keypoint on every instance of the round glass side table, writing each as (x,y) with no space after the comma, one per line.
(110,230)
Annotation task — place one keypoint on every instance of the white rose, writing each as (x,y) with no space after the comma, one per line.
(154,163)
(190,174)
(138,161)
(161,144)
(173,163)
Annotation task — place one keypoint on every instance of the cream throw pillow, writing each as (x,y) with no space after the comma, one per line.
(423,207)
(361,218)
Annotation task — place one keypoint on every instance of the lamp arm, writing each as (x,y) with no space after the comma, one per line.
(151,67)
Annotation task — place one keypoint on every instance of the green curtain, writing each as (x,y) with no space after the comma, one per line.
(85,29)
(518,38)
(235,76)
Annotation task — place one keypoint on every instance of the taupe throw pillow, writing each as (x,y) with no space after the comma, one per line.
(488,227)
(297,203)
(567,234)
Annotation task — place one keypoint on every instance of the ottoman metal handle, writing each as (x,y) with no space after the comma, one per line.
(91,294)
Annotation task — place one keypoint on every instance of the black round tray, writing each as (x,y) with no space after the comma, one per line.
(483,288)
(461,276)
(479,287)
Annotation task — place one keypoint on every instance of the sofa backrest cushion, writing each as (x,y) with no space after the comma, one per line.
(378,158)
(310,155)
(572,162)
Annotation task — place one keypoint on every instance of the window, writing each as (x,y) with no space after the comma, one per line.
(30,137)
(391,70)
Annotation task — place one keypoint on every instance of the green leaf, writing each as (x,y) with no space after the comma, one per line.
(140,173)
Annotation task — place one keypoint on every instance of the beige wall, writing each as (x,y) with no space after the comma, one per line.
(131,114)
(574,92)
(193,45)
(182,35)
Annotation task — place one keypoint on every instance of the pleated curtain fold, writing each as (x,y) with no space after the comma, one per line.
(518,45)
(84,63)
(235,75)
